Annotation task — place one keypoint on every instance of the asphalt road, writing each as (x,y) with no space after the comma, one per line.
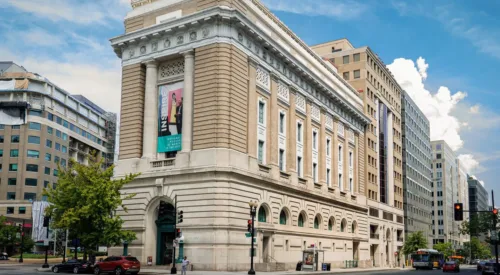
(31,270)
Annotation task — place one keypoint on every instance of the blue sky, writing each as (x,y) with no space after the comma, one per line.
(457,44)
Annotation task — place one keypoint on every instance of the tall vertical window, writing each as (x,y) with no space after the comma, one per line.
(350,160)
(299,166)
(315,172)
(351,188)
(315,140)
(328,176)
(261,112)
(328,147)
(299,132)
(340,153)
(282,123)
(340,182)
(261,152)
(282,160)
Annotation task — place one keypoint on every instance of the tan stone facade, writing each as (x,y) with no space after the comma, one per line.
(376,86)
(263,125)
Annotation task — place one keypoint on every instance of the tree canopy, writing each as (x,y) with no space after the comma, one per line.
(445,248)
(8,233)
(85,201)
(413,242)
(480,250)
(479,224)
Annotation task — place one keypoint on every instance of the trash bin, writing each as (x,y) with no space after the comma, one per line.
(299,266)
(324,267)
(328,267)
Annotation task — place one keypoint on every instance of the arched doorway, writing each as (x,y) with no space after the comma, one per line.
(165,225)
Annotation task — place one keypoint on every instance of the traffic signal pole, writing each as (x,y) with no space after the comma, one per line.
(173,270)
(495,232)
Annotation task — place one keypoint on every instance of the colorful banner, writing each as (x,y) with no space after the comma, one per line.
(170,117)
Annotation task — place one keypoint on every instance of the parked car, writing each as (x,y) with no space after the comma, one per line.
(489,268)
(480,265)
(75,266)
(451,266)
(118,265)
(4,256)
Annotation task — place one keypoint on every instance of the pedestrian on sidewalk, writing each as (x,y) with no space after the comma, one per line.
(185,263)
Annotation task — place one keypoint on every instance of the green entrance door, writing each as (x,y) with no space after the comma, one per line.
(165,225)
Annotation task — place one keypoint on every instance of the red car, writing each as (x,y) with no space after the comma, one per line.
(118,265)
(451,266)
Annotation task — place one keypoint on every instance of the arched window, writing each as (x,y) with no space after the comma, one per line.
(330,224)
(353,227)
(316,223)
(262,214)
(343,225)
(300,222)
(282,217)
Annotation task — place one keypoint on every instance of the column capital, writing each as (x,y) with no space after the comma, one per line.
(275,76)
(150,63)
(294,89)
(188,53)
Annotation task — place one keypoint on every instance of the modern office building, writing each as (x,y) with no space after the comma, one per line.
(445,193)
(417,172)
(41,126)
(478,196)
(463,197)
(222,104)
(381,96)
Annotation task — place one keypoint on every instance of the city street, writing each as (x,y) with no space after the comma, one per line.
(31,270)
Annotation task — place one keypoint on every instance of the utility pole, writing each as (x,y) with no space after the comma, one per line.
(173,270)
(495,232)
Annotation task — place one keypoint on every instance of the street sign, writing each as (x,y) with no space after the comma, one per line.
(46,242)
(248,235)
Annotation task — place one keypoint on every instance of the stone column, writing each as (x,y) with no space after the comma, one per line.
(187,101)
(252,107)
(307,152)
(322,149)
(149,133)
(390,160)
(335,155)
(273,121)
(291,162)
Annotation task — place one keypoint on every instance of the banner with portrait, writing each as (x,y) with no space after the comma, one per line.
(170,117)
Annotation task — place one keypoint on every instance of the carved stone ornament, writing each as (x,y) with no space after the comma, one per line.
(154,46)
(131,52)
(205,32)
(167,43)
(240,37)
(192,36)
(180,39)
(143,49)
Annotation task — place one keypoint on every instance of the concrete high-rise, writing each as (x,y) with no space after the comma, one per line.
(417,173)
(41,126)
(222,104)
(445,194)
(381,96)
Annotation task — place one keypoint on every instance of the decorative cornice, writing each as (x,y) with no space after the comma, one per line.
(219,25)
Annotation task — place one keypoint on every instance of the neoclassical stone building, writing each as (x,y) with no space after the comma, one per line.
(223,104)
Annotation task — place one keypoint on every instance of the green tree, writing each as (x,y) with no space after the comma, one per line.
(479,250)
(445,248)
(28,244)
(85,201)
(414,242)
(479,223)
(8,233)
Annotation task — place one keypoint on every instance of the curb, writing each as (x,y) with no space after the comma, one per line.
(337,271)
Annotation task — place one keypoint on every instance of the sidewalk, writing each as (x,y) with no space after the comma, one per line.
(334,271)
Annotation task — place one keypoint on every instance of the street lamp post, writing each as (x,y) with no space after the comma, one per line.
(253,210)
(46,264)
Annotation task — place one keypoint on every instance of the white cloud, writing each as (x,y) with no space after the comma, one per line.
(422,67)
(468,163)
(474,109)
(342,10)
(40,37)
(437,107)
(80,12)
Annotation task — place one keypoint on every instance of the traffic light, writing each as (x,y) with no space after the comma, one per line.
(249,226)
(459,212)
(180,216)
(495,211)
(46,221)
(162,209)
(178,233)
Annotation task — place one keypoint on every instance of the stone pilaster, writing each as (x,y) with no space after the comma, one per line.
(292,135)
(187,102)
(252,107)
(150,111)
(274,121)
(308,147)
(322,149)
